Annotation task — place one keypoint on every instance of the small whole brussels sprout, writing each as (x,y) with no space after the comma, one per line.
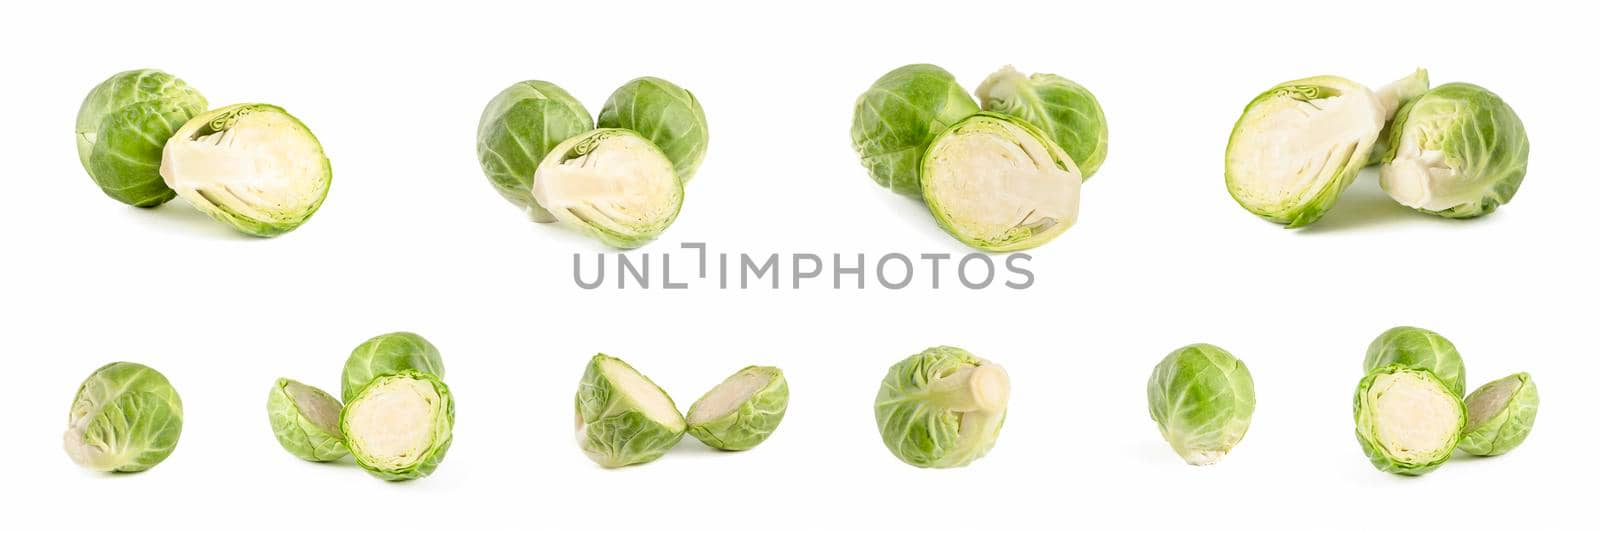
(666,114)
(385,354)
(126,417)
(306,421)
(1201,397)
(942,408)
(1458,151)
(1407,420)
(899,116)
(1066,111)
(399,426)
(999,184)
(612,184)
(517,129)
(1500,415)
(123,125)
(1418,348)
(623,418)
(742,411)
(252,166)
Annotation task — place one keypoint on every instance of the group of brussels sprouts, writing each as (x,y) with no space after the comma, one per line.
(146,137)
(1001,177)
(126,417)
(942,408)
(621,183)
(395,419)
(624,418)
(1456,150)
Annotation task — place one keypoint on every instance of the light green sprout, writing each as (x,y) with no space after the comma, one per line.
(1064,110)
(666,114)
(126,417)
(1458,152)
(623,418)
(252,166)
(517,129)
(611,184)
(942,408)
(1407,420)
(122,127)
(899,116)
(1201,398)
(1418,348)
(997,183)
(1500,415)
(399,426)
(385,354)
(742,411)
(306,421)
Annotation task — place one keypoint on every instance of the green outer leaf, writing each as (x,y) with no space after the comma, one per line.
(666,114)
(1508,424)
(1479,135)
(122,126)
(1310,207)
(125,417)
(1418,348)
(753,421)
(1201,398)
(1066,111)
(518,128)
(612,429)
(443,425)
(302,435)
(276,219)
(386,354)
(1020,237)
(1366,428)
(899,116)
(918,428)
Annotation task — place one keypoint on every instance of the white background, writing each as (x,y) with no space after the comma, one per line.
(413,237)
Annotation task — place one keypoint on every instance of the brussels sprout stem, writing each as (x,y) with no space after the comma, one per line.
(1395,95)
(972,388)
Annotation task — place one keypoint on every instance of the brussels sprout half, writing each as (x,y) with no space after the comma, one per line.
(517,129)
(1458,152)
(126,417)
(122,127)
(1500,415)
(252,166)
(742,411)
(999,184)
(1418,348)
(399,426)
(942,408)
(1064,110)
(623,418)
(388,354)
(666,114)
(899,115)
(1201,399)
(1407,420)
(306,421)
(612,184)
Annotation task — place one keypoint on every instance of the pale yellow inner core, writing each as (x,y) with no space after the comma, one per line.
(394,423)
(990,182)
(622,185)
(645,395)
(727,396)
(265,165)
(1414,417)
(1288,149)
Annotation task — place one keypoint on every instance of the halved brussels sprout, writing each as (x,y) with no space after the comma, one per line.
(999,184)
(1500,415)
(1201,398)
(899,116)
(388,353)
(942,408)
(122,126)
(623,418)
(126,417)
(1418,348)
(1407,420)
(612,184)
(1458,151)
(666,114)
(517,129)
(399,426)
(1066,111)
(252,166)
(306,421)
(742,411)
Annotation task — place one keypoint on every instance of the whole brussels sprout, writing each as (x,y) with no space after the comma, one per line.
(1500,415)
(612,184)
(1458,152)
(1201,399)
(126,417)
(999,184)
(1407,420)
(1064,110)
(623,418)
(306,421)
(742,411)
(252,166)
(399,426)
(899,116)
(942,408)
(517,129)
(385,354)
(1418,348)
(123,125)
(666,114)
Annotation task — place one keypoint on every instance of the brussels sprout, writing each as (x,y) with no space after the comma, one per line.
(1065,110)
(666,114)
(612,184)
(1418,348)
(1201,398)
(305,420)
(1407,420)
(398,427)
(1500,415)
(999,184)
(742,411)
(122,126)
(1458,151)
(252,166)
(389,353)
(623,418)
(899,116)
(125,418)
(517,129)
(942,408)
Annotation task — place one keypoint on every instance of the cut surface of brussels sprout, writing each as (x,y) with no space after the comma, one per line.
(385,354)
(399,426)
(623,418)
(123,125)
(742,411)
(611,184)
(942,408)
(1458,151)
(1418,348)
(999,184)
(1500,415)
(1064,110)
(666,114)
(252,166)
(899,115)
(126,417)
(1201,398)
(517,129)
(1407,421)
(306,421)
